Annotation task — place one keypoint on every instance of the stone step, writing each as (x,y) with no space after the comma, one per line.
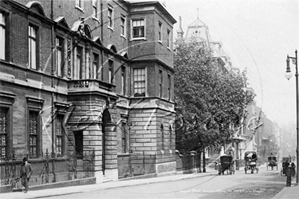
(107,179)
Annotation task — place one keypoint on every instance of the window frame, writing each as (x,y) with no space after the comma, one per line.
(60,69)
(36,39)
(4,26)
(95,65)
(124,138)
(95,7)
(123,80)
(169,87)
(136,94)
(110,17)
(123,26)
(7,133)
(160,83)
(37,135)
(160,28)
(79,5)
(144,30)
(110,71)
(87,66)
(169,40)
(59,121)
(6,102)
(77,68)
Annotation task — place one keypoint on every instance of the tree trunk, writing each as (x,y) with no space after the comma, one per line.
(199,161)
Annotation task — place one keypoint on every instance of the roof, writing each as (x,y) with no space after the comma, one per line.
(157,4)
(197,23)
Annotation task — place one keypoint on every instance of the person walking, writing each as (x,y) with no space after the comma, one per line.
(25,173)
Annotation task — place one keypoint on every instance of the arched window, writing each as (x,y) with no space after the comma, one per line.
(36,7)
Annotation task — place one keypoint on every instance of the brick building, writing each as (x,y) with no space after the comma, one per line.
(88,83)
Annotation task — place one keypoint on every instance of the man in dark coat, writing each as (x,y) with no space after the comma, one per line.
(25,173)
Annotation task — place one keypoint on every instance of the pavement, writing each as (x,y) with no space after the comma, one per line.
(286,193)
(291,192)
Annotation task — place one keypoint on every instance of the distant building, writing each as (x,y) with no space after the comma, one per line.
(199,32)
(88,83)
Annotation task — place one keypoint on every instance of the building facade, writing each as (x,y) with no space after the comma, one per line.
(88,83)
(199,31)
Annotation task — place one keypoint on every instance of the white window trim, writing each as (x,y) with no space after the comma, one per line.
(131,30)
(123,81)
(146,82)
(125,26)
(78,7)
(161,32)
(112,17)
(96,5)
(37,50)
(169,37)
(5,36)
(59,72)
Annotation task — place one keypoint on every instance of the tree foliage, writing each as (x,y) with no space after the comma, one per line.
(210,99)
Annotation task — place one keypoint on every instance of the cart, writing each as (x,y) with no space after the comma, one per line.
(250,161)
(226,164)
(272,162)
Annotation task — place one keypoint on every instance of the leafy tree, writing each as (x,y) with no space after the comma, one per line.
(210,99)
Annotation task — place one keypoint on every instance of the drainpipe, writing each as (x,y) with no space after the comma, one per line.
(52,94)
(101,7)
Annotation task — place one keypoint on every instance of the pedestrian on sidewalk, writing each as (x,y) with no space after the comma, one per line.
(25,174)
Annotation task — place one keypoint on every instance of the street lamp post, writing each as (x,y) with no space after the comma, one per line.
(288,75)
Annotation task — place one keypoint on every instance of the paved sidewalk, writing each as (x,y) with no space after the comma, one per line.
(288,193)
(108,185)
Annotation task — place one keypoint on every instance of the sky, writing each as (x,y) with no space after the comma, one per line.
(256,35)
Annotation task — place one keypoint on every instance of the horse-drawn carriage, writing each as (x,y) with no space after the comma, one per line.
(272,162)
(250,161)
(226,164)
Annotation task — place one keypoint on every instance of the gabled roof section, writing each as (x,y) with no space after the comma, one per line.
(197,23)
(62,22)
(124,54)
(82,28)
(36,7)
(98,41)
(112,48)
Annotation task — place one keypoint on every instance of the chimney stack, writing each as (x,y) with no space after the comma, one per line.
(180,31)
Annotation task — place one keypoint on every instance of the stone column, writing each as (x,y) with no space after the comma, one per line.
(111,160)
(92,138)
